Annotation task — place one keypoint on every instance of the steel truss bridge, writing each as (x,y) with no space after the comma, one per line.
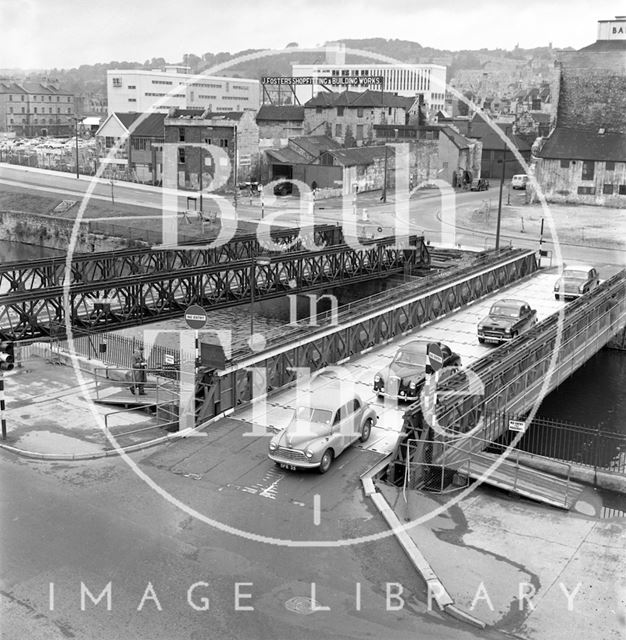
(145,285)
(515,377)
(373,322)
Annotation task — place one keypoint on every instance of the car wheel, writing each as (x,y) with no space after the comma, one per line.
(481,340)
(326,461)
(366,430)
(513,335)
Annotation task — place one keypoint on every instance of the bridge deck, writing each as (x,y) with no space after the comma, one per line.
(519,479)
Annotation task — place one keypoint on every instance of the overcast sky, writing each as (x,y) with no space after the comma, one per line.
(68,33)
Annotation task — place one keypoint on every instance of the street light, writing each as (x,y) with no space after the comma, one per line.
(506,130)
(76,135)
(263,261)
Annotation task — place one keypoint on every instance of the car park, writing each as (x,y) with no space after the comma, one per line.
(506,320)
(479,184)
(401,378)
(575,281)
(519,181)
(320,431)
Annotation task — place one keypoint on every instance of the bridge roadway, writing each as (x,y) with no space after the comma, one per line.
(166,292)
(236,464)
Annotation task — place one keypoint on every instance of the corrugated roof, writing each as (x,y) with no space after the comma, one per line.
(575,144)
(314,145)
(286,155)
(197,114)
(283,113)
(359,156)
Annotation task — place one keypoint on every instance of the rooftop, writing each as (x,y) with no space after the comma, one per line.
(357,99)
(576,144)
(283,113)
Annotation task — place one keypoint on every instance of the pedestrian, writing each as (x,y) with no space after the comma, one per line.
(139,367)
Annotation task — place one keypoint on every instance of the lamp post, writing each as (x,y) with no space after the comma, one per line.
(76,136)
(263,261)
(235,163)
(384,194)
(506,130)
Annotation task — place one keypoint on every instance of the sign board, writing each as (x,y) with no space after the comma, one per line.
(212,355)
(99,304)
(169,358)
(195,317)
(517,425)
(434,356)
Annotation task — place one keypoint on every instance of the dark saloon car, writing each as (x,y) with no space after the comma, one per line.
(401,378)
(506,320)
(479,184)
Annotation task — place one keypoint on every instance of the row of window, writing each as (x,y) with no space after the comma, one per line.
(241,87)
(235,98)
(43,98)
(161,82)
(607,190)
(35,121)
(69,110)
(359,131)
(222,142)
(589,167)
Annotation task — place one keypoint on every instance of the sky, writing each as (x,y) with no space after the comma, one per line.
(44,34)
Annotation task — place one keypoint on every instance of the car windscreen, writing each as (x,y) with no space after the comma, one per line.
(317,416)
(571,274)
(412,357)
(510,311)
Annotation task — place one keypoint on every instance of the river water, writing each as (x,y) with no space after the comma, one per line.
(594,396)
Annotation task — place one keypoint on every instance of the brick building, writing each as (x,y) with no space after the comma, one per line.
(584,159)
(36,109)
(235,133)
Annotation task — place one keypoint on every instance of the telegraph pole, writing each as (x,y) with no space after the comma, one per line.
(500,194)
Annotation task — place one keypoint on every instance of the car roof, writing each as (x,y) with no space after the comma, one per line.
(332,398)
(414,345)
(578,267)
(510,301)
(521,175)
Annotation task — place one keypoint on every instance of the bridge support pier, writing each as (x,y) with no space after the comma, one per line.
(619,341)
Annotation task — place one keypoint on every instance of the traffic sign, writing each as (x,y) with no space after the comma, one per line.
(195,316)
(169,358)
(517,425)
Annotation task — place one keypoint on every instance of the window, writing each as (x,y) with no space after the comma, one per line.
(318,109)
(359,113)
(132,99)
(69,110)
(389,111)
(181,155)
(109,142)
(564,164)
(132,86)
(49,109)
(586,191)
(607,189)
(609,166)
(117,82)
(10,109)
(58,109)
(23,110)
(58,99)
(345,72)
(207,141)
(338,131)
(445,165)
(340,111)
(588,169)
(224,143)
(10,98)
(622,190)
(359,132)
(181,134)
(34,109)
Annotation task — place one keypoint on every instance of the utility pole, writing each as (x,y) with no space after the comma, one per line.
(384,194)
(506,129)
(76,134)
(235,162)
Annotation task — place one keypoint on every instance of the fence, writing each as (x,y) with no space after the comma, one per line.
(602,450)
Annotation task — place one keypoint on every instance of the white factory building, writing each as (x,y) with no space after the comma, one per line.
(140,90)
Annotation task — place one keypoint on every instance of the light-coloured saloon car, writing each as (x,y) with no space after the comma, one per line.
(575,281)
(320,432)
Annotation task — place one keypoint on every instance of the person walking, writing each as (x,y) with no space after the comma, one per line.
(139,367)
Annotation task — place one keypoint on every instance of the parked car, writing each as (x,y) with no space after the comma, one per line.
(321,431)
(575,281)
(479,184)
(401,378)
(507,319)
(519,181)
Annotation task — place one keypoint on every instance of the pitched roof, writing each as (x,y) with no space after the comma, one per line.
(127,119)
(314,145)
(283,113)
(359,155)
(606,45)
(575,144)
(286,155)
(459,141)
(358,99)
(152,126)
(491,140)
(199,114)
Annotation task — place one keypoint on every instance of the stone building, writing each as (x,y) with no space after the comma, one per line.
(235,133)
(349,117)
(584,158)
(36,109)
(279,123)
